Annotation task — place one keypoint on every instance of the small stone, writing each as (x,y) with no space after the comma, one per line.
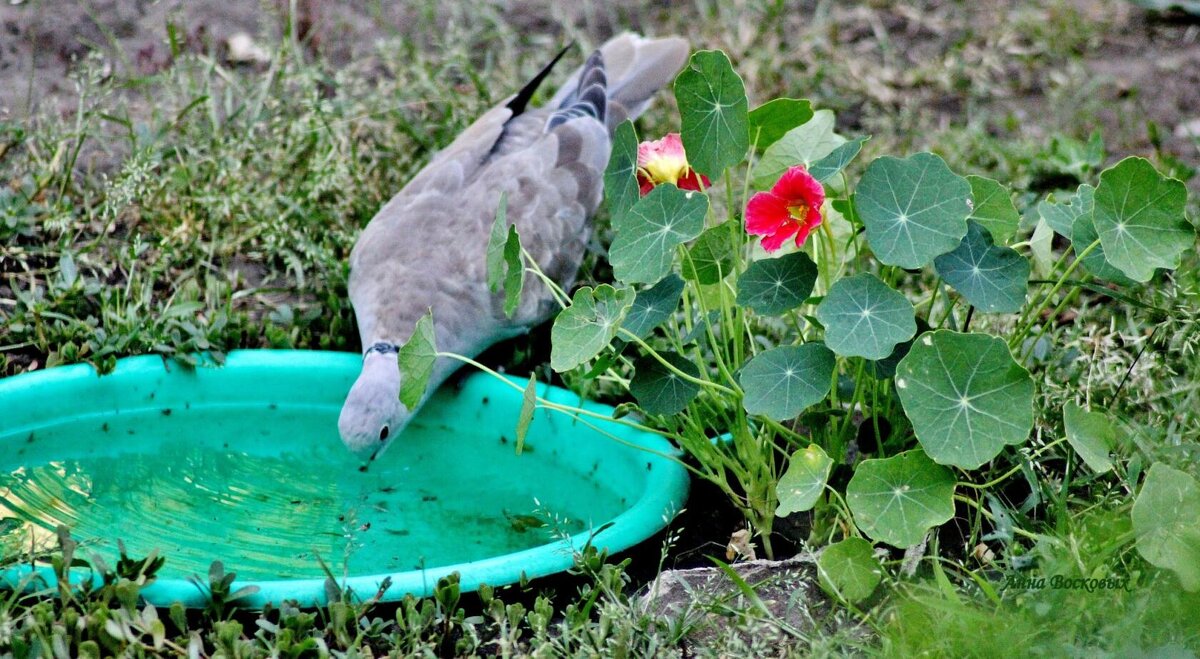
(243,50)
(1189,129)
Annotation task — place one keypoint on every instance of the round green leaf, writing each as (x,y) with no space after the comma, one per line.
(658,390)
(1166,520)
(769,121)
(849,569)
(965,396)
(653,306)
(781,382)
(802,484)
(993,208)
(914,208)
(710,258)
(898,499)
(802,145)
(646,236)
(1139,216)
(586,327)
(992,278)
(1091,435)
(864,317)
(714,121)
(773,286)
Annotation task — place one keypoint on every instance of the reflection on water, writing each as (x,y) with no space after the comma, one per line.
(240,495)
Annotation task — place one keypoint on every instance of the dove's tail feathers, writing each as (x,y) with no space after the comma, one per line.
(590,97)
(636,67)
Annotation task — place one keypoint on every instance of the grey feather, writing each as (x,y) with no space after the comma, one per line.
(425,249)
(636,68)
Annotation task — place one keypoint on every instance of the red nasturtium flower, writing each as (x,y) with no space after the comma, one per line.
(663,161)
(791,208)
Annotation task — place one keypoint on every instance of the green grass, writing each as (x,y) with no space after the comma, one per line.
(211,207)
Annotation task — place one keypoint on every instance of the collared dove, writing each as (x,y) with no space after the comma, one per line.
(426,248)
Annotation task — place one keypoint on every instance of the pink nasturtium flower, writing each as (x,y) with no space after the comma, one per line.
(791,208)
(664,161)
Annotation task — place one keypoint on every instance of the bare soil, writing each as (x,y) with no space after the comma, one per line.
(1144,61)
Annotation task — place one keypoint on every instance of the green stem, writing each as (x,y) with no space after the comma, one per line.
(1067,299)
(949,311)
(988,514)
(1025,324)
(937,286)
(784,430)
(542,402)
(1011,472)
(560,296)
(728,196)
(858,379)
(634,338)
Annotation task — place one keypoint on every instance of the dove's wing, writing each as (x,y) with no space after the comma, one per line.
(426,249)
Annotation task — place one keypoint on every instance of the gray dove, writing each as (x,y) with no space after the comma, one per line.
(426,248)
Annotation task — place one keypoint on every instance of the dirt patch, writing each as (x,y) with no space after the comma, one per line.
(1155,61)
(43,42)
(1128,66)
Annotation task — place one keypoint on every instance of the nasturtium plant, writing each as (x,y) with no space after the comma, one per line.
(712,101)
(1138,214)
(1092,436)
(804,481)
(1061,214)
(1085,241)
(864,317)
(659,389)
(649,232)
(773,119)
(773,286)
(525,416)
(966,396)
(993,208)
(586,327)
(504,263)
(897,500)
(653,306)
(620,179)
(781,382)
(914,209)
(992,278)
(860,343)
(804,145)
(710,258)
(832,164)
(416,359)
(849,569)
(1166,520)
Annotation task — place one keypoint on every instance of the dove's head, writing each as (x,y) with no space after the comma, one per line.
(373,415)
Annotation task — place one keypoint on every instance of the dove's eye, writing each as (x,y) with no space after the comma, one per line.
(383,434)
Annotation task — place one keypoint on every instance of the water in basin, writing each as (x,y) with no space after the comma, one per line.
(256,479)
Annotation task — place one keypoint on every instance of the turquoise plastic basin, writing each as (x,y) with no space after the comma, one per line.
(243,464)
